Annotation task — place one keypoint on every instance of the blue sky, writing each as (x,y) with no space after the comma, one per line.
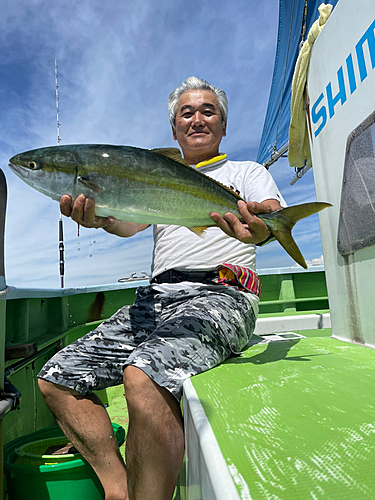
(117,63)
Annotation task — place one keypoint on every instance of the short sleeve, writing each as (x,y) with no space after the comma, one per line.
(260,186)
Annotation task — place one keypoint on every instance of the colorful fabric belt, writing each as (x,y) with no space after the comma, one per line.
(225,274)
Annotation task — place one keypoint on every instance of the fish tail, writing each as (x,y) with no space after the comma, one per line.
(288,217)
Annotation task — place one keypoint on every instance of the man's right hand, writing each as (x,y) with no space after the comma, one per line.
(83,212)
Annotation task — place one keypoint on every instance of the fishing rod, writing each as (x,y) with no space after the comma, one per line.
(61,231)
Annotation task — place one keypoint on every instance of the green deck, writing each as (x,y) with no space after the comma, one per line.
(296,418)
(53,319)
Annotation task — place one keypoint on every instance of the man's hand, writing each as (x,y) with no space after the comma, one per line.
(83,212)
(253,230)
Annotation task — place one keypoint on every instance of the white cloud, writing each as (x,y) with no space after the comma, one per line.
(118,61)
(316,262)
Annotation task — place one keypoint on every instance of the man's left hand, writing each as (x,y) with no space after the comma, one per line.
(252,230)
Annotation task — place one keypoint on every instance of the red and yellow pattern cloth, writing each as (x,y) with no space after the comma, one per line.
(246,279)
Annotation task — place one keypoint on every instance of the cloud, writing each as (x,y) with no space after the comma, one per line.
(319,261)
(117,63)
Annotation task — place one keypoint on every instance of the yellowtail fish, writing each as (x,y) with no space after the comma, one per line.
(146,186)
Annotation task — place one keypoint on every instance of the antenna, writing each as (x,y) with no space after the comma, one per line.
(61,233)
(57,104)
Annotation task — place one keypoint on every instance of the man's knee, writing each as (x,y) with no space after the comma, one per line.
(145,396)
(141,391)
(50,390)
(136,382)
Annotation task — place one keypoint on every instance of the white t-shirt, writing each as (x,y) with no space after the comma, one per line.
(176,247)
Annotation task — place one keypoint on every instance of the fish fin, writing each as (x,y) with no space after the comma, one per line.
(90,184)
(175,154)
(171,153)
(298,212)
(199,230)
(288,218)
(285,238)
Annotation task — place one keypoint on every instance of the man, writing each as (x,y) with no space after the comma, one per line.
(194,315)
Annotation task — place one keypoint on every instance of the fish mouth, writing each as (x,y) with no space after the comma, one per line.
(20,171)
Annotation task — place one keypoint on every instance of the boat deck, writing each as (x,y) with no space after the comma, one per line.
(291,418)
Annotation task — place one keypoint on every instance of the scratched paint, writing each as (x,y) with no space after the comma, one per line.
(298,420)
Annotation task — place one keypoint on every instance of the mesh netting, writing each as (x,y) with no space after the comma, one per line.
(357,211)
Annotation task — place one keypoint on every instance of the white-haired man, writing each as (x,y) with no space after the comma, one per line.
(199,309)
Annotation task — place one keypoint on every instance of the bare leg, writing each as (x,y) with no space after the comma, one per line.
(155,440)
(86,424)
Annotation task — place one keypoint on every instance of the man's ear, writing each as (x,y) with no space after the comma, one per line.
(225,129)
(174,134)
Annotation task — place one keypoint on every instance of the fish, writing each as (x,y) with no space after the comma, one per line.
(149,186)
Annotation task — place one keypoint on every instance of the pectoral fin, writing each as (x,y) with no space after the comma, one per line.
(90,184)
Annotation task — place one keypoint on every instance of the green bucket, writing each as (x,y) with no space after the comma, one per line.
(31,475)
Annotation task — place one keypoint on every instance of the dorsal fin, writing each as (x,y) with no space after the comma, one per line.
(175,154)
(172,153)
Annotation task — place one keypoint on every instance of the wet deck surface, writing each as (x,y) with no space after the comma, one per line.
(296,418)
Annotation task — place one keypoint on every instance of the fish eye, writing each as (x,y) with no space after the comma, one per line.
(33,165)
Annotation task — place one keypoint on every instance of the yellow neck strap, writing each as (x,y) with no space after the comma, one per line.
(213,160)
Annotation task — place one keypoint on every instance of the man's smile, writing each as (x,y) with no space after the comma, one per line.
(198,132)
(199,127)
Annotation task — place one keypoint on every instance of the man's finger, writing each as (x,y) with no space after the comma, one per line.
(222,224)
(247,216)
(239,230)
(78,208)
(265,207)
(66,205)
(89,213)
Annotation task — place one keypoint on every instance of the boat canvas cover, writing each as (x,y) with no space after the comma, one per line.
(291,22)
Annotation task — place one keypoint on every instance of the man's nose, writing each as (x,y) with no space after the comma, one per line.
(198,118)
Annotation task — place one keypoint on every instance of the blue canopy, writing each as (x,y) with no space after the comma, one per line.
(292,19)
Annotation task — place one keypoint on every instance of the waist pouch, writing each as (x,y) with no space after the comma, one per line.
(246,279)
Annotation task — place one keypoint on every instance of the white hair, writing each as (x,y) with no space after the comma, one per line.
(194,83)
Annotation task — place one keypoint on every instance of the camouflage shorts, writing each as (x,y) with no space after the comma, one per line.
(169,335)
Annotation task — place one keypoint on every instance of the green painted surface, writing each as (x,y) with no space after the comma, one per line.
(290,293)
(46,320)
(34,319)
(296,419)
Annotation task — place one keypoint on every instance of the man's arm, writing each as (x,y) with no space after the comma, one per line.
(254,230)
(83,212)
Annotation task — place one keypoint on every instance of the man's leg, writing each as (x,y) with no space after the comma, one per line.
(155,440)
(86,424)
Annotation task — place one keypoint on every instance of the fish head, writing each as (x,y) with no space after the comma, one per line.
(51,171)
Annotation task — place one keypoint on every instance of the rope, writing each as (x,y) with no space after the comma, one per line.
(5,291)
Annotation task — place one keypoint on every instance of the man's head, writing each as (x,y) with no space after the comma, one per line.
(198,114)
(194,83)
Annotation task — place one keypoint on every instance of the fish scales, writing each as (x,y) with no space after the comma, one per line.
(145,186)
(138,185)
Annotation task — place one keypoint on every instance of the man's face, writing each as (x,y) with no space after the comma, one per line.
(199,127)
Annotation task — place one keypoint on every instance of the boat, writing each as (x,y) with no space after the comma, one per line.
(294,415)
